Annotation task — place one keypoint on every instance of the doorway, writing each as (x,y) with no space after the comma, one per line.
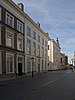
(20,69)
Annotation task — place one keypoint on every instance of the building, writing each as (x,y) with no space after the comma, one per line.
(53,54)
(23,44)
(73,60)
(62,61)
(36,41)
(12,37)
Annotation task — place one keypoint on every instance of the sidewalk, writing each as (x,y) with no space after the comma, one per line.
(8,80)
(11,79)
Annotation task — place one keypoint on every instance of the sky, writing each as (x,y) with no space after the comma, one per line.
(57,17)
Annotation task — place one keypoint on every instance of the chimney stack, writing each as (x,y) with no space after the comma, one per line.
(21,6)
(38,24)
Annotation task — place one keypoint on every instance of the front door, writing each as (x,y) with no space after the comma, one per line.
(20,69)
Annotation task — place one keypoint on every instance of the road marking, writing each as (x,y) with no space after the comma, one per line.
(55,79)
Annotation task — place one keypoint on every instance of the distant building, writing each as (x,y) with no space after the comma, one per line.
(73,60)
(63,61)
(54,54)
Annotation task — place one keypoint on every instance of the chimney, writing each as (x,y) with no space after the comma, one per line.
(38,24)
(21,6)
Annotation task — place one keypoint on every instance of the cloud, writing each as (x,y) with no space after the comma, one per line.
(56,17)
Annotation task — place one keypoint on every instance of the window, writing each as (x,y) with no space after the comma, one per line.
(48,47)
(0,13)
(20,26)
(20,42)
(9,39)
(9,20)
(0,35)
(34,48)
(45,43)
(38,50)
(34,35)
(34,64)
(28,64)
(38,38)
(28,31)
(42,41)
(43,52)
(28,46)
(9,63)
(42,65)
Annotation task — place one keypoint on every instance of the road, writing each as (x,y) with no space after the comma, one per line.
(55,85)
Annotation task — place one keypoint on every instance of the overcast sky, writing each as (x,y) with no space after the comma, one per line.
(57,17)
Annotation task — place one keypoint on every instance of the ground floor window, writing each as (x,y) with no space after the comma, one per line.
(42,64)
(9,63)
(45,64)
(34,64)
(38,65)
(28,64)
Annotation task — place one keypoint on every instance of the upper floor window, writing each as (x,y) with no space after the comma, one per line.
(20,42)
(38,38)
(28,46)
(42,41)
(20,26)
(34,35)
(28,31)
(43,52)
(0,13)
(34,48)
(45,43)
(9,39)
(9,20)
(38,50)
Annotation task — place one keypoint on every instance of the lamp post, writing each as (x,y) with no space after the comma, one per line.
(32,66)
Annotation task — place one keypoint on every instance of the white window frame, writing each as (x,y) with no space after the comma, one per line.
(29,46)
(42,41)
(34,35)
(34,48)
(0,13)
(18,26)
(12,25)
(11,33)
(9,54)
(28,64)
(21,38)
(38,38)
(38,50)
(28,31)
(42,52)
(45,43)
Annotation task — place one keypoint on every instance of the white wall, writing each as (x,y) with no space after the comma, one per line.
(33,28)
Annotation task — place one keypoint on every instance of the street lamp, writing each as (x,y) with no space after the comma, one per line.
(32,66)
